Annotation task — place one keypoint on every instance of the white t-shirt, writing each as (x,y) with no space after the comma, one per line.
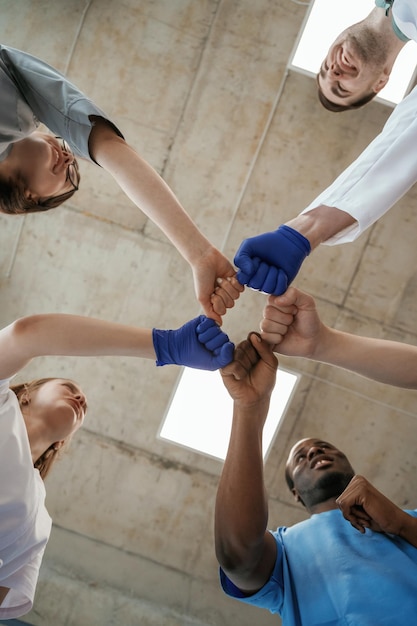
(25,524)
(387,168)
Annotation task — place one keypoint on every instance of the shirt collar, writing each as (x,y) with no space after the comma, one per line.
(387,5)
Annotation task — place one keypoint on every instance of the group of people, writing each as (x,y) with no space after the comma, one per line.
(354,562)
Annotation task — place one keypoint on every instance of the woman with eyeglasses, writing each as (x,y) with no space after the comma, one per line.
(37,419)
(39,171)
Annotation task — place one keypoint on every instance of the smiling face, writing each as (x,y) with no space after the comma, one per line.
(41,162)
(318,472)
(355,67)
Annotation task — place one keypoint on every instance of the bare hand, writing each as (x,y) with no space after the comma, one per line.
(227,291)
(206,271)
(291,324)
(366,507)
(252,374)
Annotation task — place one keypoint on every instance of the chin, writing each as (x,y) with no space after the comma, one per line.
(328,485)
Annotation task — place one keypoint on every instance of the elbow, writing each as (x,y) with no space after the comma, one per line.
(25,326)
(235,560)
(23,331)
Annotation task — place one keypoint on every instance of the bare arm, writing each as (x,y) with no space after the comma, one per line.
(151,194)
(291,323)
(366,507)
(199,343)
(245,549)
(69,335)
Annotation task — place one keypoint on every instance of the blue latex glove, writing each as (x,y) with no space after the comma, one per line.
(271,261)
(200,343)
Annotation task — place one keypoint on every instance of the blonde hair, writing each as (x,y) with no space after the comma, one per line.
(45,462)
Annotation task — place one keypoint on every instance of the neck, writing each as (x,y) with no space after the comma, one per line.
(382,25)
(38,439)
(322,507)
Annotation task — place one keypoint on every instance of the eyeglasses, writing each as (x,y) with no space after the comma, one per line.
(73,176)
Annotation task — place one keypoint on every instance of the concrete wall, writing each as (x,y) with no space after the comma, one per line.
(201,89)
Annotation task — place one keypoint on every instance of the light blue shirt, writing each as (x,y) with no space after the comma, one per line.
(329,574)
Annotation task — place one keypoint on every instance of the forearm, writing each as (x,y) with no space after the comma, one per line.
(69,335)
(373,183)
(143,185)
(385,361)
(241,514)
(321,223)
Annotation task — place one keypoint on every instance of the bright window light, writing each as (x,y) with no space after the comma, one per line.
(200,413)
(326,20)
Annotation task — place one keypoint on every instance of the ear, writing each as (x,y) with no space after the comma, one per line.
(25,399)
(31,197)
(58,445)
(296,495)
(382,81)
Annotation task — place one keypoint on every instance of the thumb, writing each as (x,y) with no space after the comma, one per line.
(226,354)
(264,349)
(245,262)
(288,298)
(209,311)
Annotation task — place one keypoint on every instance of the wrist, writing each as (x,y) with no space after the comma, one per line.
(296,238)
(197,248)
(321,223)
(324,344)
(253,410)
(408,528)
(161,344)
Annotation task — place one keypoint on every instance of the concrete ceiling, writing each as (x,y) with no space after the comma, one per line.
(201,89)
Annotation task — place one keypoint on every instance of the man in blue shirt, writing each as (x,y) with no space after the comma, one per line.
(353,563)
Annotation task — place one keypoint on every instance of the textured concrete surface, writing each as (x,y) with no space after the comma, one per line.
(202,89)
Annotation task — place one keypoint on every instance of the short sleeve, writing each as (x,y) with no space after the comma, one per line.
(53,99)
(271,595)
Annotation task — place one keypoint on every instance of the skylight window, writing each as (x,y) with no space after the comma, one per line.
(200,414)
(325,21)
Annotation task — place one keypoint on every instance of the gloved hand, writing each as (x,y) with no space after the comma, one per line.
(271,261)
(200,343)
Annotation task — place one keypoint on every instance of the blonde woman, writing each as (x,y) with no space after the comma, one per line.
(37,418)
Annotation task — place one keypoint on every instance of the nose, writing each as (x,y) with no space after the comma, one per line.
(334,70)
(67,153)
(68,157)
(313,451)
(81,399)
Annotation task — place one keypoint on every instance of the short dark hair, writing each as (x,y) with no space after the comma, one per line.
(13,199)
(46,460)
(337,108)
